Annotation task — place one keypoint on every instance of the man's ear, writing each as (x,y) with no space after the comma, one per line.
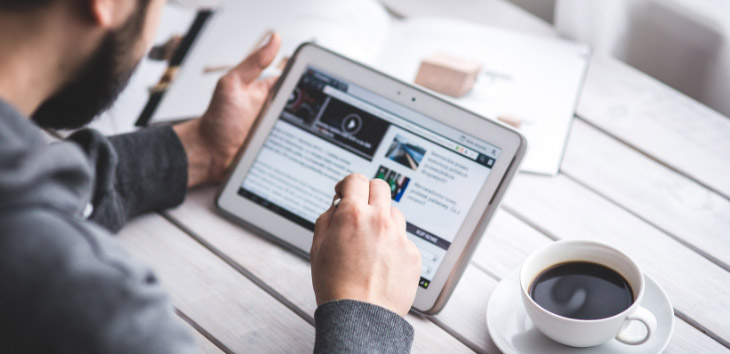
(109,13)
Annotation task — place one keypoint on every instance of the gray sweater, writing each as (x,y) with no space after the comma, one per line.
(69,287)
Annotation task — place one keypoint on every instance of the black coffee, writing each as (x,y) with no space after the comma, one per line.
(582,290)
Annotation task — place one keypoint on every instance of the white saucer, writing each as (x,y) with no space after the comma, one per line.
(513,332)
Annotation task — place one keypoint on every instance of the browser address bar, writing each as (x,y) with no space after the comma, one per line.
(354,101)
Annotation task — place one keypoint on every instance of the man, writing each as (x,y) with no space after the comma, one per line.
(68,287)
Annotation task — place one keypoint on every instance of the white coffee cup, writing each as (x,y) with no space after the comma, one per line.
(578,332)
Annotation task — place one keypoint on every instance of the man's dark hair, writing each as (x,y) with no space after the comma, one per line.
(27,4)
(22,4)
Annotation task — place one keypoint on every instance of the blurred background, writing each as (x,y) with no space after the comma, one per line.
(683,43)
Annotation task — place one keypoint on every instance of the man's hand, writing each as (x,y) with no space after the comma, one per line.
(212,140)
(360,250)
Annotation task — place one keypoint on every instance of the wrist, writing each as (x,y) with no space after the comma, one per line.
(196,150)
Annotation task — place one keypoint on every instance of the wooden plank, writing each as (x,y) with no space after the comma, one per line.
(287,274)
(228,305)
(676,204)
(659,121)
(204,338)
(205,346)
(563,209)
(509,241)
(687,339)
(470,296)
(506,244)
(466,311)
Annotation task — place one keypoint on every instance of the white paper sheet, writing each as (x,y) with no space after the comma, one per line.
(355,28)
(535,78)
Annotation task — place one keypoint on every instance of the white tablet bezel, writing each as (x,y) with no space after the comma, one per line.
(265,221)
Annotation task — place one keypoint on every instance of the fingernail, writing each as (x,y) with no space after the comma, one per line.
(265,40)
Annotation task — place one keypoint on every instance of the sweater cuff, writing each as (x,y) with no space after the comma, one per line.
(358,327)
(152,172)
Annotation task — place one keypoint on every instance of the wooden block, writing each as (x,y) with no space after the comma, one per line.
(512,121)
(447,74)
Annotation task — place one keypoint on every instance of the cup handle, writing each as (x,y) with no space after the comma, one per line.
(642,315)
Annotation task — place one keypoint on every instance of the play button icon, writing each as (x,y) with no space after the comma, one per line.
(351,124)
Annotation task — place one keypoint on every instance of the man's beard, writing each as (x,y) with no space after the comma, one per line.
(99,83)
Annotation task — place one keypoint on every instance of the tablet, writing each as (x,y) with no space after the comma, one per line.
(329,116)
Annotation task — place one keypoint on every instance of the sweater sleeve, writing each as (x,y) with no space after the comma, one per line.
(348,326)
(134,173)
(73,289)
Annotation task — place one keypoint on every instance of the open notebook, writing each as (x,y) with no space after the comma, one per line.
(535,78)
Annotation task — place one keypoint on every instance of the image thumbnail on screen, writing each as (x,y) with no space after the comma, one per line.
(405,153)
(397,182)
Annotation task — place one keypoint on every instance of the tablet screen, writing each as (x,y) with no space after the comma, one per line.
(330,128)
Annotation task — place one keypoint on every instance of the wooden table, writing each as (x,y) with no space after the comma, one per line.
(646,170)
